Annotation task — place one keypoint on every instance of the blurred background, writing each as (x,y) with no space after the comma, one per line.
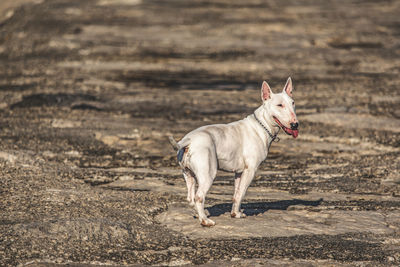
(90,90)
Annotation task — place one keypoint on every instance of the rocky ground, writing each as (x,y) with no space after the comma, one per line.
(90,90)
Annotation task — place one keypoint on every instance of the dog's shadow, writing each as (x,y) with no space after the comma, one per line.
(251,209)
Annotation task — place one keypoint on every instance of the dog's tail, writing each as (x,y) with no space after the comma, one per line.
(173,142)
(181,147)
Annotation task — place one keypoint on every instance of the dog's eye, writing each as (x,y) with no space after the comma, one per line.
(280,105)
(293,103)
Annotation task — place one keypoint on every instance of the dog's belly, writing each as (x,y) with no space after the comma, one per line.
(230,162)
(229,167)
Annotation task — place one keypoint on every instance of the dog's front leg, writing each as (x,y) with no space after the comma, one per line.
(241,185)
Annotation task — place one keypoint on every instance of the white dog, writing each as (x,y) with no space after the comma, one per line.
(237,147)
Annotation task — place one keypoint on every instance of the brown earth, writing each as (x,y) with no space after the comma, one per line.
(90,90)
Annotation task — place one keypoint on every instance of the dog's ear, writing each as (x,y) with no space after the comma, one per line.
(266,91)
(288,87)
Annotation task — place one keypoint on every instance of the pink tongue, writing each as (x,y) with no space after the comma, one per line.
(294,133)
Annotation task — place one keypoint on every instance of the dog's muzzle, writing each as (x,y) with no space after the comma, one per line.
(293,130)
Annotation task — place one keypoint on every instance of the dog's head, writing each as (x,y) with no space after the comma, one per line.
(280,107)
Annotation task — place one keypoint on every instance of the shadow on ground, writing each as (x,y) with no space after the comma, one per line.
(256,208)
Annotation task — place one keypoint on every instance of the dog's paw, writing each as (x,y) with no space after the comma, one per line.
(207,223)
(207,212)
(238,215)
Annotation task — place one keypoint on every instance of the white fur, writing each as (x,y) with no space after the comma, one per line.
(237,147)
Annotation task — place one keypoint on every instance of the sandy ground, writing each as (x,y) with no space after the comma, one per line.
(90,90)
(7,7)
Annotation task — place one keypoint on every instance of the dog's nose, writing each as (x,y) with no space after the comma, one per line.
(294,125)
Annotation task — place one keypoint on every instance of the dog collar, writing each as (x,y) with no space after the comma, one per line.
(273,137)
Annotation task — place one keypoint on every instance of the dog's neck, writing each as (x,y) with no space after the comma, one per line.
(267,121)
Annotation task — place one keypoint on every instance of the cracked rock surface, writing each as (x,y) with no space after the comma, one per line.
(90,90)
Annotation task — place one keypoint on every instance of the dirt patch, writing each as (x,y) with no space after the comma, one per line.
(296,220)
(7,7)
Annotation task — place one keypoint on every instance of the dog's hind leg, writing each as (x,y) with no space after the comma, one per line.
(199,199)
(205,170)
(190,183)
